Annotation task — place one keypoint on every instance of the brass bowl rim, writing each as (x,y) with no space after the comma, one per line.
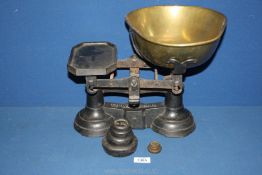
(179,45)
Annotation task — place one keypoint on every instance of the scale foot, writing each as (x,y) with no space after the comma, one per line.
(174,123)
(92,122)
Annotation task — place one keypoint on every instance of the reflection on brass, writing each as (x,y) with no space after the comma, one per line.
(154,147)
(162,33)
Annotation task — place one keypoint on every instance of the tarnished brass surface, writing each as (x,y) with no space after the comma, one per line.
(161,33)
(154,147)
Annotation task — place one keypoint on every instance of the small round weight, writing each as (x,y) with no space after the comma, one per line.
(154,147)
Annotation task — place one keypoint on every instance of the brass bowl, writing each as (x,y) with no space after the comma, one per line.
(162,34)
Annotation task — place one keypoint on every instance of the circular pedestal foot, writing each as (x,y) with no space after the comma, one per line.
(174,123)
(120,140)
(92,122)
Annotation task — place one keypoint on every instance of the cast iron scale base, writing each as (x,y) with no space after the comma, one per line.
(168,118)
